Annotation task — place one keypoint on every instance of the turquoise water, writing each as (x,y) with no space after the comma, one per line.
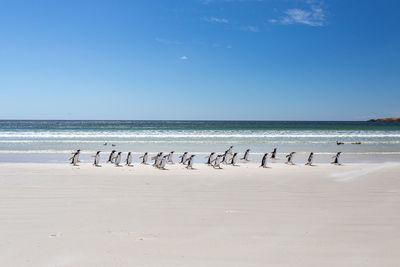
(53,141)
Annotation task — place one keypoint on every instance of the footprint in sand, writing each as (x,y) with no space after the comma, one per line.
(231,211)
(59,234)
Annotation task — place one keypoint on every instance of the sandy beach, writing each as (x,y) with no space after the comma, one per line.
(59,215)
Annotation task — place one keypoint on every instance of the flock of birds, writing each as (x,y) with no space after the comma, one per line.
(215,160)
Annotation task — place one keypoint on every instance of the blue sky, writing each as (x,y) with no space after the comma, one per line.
(200,59)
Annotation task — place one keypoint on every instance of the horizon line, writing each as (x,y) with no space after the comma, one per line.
(199,120)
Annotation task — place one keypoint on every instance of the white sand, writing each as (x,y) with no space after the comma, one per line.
(58,215)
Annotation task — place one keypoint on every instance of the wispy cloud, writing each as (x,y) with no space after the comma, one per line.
(216,20)
(217,45)
(250,28)
(168,42)
(184,57)
(314,15)
(215,1)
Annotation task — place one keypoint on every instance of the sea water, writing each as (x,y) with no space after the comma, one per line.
(53,141)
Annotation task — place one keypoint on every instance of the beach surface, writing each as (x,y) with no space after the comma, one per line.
(60,215)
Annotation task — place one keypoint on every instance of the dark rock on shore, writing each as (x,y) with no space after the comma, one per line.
(385,120)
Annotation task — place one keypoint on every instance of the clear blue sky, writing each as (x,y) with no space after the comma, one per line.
(200,59)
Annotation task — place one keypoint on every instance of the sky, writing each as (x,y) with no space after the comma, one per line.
(200,59)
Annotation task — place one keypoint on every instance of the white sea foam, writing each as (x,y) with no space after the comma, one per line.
(198,134)
(184,141)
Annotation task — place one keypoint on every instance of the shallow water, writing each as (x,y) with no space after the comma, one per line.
(53,141)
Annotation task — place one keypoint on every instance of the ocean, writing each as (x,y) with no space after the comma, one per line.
(53,141)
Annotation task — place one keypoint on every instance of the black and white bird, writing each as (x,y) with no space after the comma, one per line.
(163,162)
(144,158)
(290,158)
(128,160)
(117,159)
(183,157)
(228,154)
(234,159)
(190,162)
(170,158)
(246,155)
(264,161)
(157,158)
(336,158)
(210,158)
(310,159)
(273,154)
(75,157)
(224,158)
(96,161)
(217,162)
(110,158)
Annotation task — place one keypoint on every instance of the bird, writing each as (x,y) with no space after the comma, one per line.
(156,159)
(246,155)
(339,143)
(273,154)
(96,159)
(229,154)
(217,162)
(75,157)
(144,158)
(234,159)
(183,157)
(190,162)
(210,158)
(264,161)
(110,158)
(224,158)
(129,159)
(310,159)
(170,158)
(117,159)
(336,158)
(163,162)
(290,158)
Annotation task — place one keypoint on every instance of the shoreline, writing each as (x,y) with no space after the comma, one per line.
(255,158)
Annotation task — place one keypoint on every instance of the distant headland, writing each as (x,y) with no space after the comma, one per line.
(385,120)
